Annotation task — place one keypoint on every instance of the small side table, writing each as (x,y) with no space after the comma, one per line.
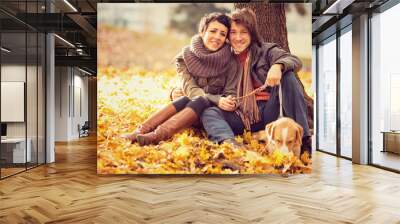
(391,141)
(17,150)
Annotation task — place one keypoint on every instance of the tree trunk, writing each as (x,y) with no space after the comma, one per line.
(271,19)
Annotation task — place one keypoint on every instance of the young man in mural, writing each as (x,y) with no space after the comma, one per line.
(208,71)
(260,64)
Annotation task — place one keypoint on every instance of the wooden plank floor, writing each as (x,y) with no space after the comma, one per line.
(70,191)
(388,159)
(9,171)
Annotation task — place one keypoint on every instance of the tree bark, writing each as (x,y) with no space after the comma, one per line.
(271,19)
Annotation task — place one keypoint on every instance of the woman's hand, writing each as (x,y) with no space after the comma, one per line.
(227,103)
(274,75)
(176,92)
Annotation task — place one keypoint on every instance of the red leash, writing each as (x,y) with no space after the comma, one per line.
(259,89)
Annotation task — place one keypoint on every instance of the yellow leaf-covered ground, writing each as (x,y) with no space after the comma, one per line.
(128,96)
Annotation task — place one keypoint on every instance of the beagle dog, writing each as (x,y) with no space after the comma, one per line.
(285,135)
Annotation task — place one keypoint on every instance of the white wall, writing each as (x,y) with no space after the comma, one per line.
(13,73)
(62,81)
(81,82)
(71,94)
(79,112)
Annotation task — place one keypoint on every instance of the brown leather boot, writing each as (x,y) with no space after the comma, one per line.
(184,119)
(152,122)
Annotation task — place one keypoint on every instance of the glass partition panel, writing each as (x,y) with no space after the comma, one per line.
(22,87)
(385,84)
(346,94)
(14,153)
(31,98)
(41,79)
(327,96)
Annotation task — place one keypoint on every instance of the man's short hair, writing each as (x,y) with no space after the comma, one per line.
(216,16)
(247,18)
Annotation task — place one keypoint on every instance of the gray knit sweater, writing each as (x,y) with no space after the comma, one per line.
(206,73)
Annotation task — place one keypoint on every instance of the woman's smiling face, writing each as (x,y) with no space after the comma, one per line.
(215,35)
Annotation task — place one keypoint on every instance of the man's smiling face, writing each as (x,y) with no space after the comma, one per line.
(239,37)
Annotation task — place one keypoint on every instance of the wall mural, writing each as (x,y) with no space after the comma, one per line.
(200,88)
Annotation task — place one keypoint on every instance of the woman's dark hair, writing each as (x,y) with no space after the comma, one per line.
(215,16)
(247,18)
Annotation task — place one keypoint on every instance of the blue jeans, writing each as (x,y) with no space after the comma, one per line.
(221,125)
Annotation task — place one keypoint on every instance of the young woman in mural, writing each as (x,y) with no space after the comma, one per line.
(209,77)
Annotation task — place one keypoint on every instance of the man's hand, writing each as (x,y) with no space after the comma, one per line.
(177,92)
(227,103)
(274,75)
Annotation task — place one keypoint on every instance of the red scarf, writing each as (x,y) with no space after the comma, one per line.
(248,109)
(262,95)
